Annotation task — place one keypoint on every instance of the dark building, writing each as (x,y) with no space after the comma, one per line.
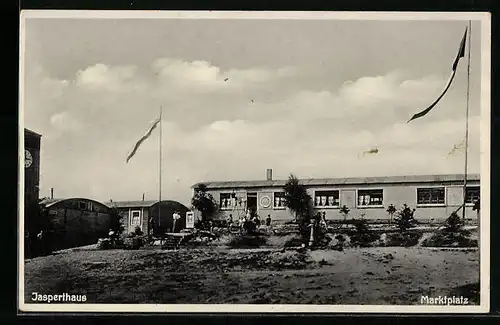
(76,222)
(31,177)
(142,213)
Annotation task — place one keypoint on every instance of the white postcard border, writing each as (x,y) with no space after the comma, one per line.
(484,306)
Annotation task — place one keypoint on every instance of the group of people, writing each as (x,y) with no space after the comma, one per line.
(249,216)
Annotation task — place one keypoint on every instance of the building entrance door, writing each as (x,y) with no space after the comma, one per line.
(252,202)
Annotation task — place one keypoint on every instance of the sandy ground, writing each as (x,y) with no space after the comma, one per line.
(356,276)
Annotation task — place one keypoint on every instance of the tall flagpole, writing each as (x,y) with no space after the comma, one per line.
(466,127)
(159,170)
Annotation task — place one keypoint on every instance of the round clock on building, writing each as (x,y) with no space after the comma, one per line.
(28,159)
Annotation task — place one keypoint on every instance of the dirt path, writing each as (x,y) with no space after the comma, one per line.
(356,276)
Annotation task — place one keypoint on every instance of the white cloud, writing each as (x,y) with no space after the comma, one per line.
(213,132)
(101,77)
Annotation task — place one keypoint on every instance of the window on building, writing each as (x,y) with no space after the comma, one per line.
(82,205)
(326,198)
(135,219)
(472,194)
(370,197)
(431,195)
(226,201)
(279,200)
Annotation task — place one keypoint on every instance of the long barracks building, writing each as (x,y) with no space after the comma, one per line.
(433,196)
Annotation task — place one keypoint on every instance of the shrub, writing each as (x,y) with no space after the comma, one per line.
(405,239)
(299,202)
(247,241)
(344,211)
(203,202)
(362,236)
(138,231)
(391,210)
(322,239)
(454,224)
(250,227)
(294,242)
(338,242)
(405,218)
(103,243)
(452,234)
(202,224)
(133,243)
(115,223)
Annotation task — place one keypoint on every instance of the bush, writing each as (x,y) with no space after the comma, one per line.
(339,242)
(250,227)
(138,231)
(294,242)
(344,211)
(405,218)
(452,235)
(103,243)
(362,236)
(405,239)
(299,202)
(441,239)
(247,241)
(454,224)
(133,243)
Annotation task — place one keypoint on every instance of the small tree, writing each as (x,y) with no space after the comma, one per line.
(452,234)
(405,218)
(299,202)
(344,210)
(115,223)
(391,210)
(362,235)
(203,202)
(454,224)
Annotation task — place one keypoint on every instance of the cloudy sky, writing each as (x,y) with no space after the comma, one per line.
(307,97)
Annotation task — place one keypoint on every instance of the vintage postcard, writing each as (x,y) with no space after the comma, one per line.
(291,162)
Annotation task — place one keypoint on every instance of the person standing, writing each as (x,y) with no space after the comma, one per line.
(268,220)
(41,242)
(323,219)
(176,216)
(242,223)
(152,225)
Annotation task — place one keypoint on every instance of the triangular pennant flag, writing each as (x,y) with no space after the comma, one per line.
(143,138)
(461,53)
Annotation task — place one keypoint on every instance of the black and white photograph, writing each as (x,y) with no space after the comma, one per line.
(204,161)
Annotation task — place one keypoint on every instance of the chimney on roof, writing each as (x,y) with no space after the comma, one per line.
(142,196)
(269,175)
(52,193)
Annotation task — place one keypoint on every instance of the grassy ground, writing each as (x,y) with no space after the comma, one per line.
(355,276)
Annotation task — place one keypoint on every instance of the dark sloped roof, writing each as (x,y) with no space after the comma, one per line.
(131,204)
(32,132)
(51,202)
(342,181)
(48,201)
(140,204)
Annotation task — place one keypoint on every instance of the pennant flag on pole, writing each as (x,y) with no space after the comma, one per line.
(144,137)
(461,53)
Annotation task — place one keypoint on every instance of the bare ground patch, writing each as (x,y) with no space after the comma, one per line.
(355,276)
